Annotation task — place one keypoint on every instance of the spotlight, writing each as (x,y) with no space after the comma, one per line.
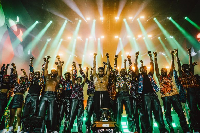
(98,38)
(133,68)
(130,17)
(91,53)
(116,18)
(37,22)
(87,18)
(79,20)
(169,18)
(133,38)
(158,37)
(124,19)
(117,67)
(60,54)
(101,18)
(49,39)
(61,40)
(154,18)
(128,36)
(149,35)
(86,38)
(116,37)
(51,21)
(143,37)
(90,37)
(127,53)
(102,36)
(148,67)
(139,36)
(69,37)
(167,67)
(79,37)
(141,16)
(122,55)
(171,37)
(186,17)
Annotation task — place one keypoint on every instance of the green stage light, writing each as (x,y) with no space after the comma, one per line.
(188,36)
(173,124)
(155,124)
(154,18)
(84,118)
(186,17)
(124,126)
(193,23)
(123,123)
(126,131)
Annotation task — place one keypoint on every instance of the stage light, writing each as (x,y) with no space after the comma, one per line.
(133,68)
(173,124)
(37,22)
(70,68)
(128,36)
(49,39)
(141,16)
(126,131)
(90,37)
(86,38)
(124,19)
(102,36)
(133,38)
(87,18)
(169,18)
(69,37)
(116,18)
(124,127)
(79,37)
(158,37)
(101,18)
(51,21)
(143,37)
(167,67)
(148,67)
(119,38)
(154,18)
(98,38)
(79,20)
(122,55)
(116,37)
(155,124)
(91,53)
(117,67)
(127,53)
(130,17)
(139,36)
(186,17)
(171,37)
(149,35)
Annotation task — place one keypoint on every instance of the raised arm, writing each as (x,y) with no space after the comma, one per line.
(59,67)
(156,65)
(46,69)
(31,69)
(178,62)
(136,63)
(82,74)
(108,66)
(74,72)
(151,63)
(172,64)
(94,64)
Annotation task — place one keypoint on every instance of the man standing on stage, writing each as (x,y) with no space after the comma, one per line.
(32,98)
(189,87)
(148,88)
(170,95)
(48,99)
(90,101)
(101,95)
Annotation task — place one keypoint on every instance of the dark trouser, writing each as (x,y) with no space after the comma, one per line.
(64,109)
(76,109)
(101,100)
(135,109)
(30,108)
(174,101)
(31,105)
(193,99)
(151,103)
(48,101)
(89,109)
(3,103)
(123,98)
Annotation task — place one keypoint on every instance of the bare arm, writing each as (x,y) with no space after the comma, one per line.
(108,66)
(94,64)
(136,63)
(151,63)
(179,63)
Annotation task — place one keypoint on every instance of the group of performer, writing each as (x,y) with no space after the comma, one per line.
(54,100)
